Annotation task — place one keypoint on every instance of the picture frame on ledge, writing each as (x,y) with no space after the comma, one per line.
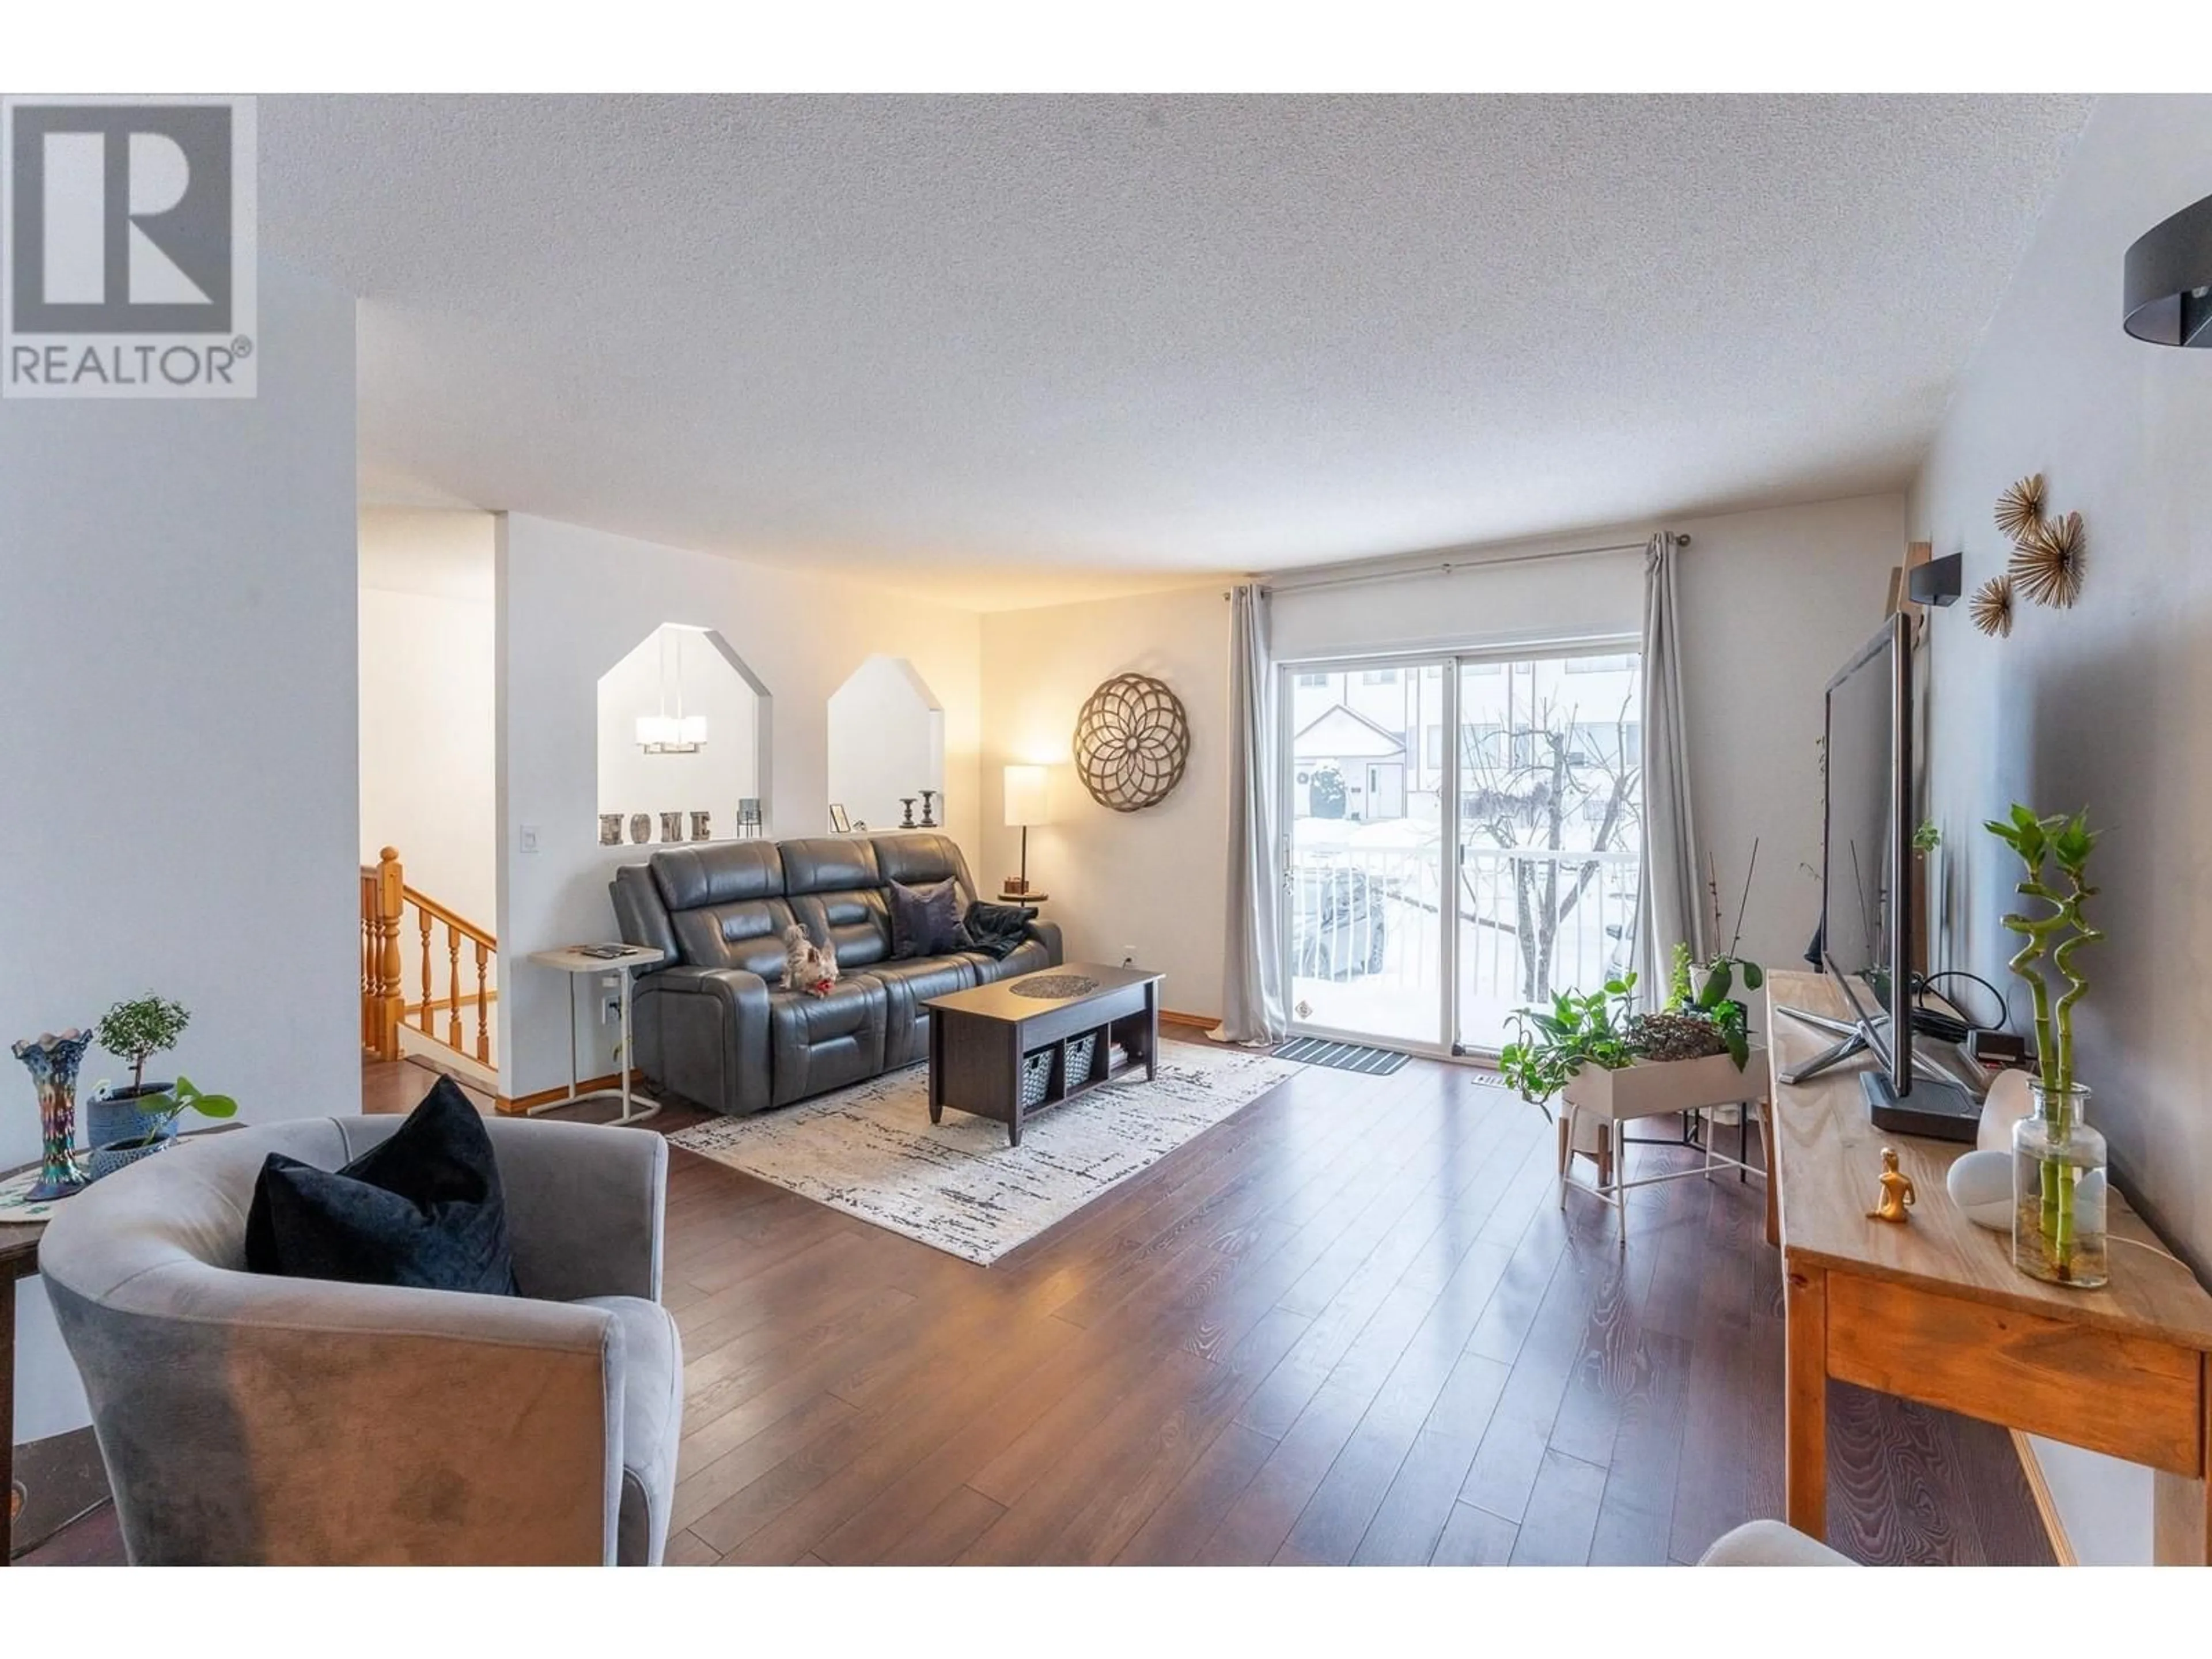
(748,818)
(839,823)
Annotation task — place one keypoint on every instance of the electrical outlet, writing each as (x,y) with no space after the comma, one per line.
(1128,955)
(611,1009)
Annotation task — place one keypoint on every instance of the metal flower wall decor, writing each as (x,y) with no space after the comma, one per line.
(2047,556)
(1992,607)
(1132,738)
(2047,565)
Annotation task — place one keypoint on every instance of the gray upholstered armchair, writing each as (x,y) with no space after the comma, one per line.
(245,1419)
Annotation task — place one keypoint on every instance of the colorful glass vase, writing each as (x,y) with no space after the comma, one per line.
(52,1061)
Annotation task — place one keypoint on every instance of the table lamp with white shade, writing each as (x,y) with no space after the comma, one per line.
(1026,804)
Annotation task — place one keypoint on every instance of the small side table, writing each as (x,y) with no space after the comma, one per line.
(19,1259)
(1024,898)
(577,961)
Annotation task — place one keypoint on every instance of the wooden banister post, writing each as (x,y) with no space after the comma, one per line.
(483,1017)
(390,1001)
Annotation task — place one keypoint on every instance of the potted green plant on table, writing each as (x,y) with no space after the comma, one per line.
(134,1031)
(163,1111)
(2058,1161)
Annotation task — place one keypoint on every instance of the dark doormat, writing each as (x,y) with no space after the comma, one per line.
(1341,1056)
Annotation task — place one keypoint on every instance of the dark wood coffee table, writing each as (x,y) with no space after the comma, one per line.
(985,1043)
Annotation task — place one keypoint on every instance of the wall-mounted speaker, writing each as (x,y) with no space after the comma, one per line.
(1937,581)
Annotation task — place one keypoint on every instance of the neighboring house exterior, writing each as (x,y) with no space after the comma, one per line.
(1369,759)
(1383,728)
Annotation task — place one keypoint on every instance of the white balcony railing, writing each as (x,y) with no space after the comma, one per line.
(1365,926)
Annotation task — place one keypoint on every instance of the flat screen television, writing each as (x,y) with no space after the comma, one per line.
(1868,906)
(1866,849)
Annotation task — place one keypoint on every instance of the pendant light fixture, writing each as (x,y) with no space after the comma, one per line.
(2166,284)
(664,733)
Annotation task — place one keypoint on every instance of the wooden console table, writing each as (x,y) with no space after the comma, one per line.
(1936,1312)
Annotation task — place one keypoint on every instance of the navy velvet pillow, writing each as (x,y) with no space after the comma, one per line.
(423,1209)
(998,929)
(926,920)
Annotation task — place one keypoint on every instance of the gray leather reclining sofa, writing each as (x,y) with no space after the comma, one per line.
(719,1027)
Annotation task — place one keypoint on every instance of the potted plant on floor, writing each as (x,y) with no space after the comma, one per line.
(1611,1063)
(1709,984)
(134,1031)
(163,1111)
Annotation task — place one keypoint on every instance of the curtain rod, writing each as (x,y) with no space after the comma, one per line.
(1446,567)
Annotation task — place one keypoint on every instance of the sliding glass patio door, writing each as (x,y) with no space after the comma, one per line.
(1464,839)
(1363,862)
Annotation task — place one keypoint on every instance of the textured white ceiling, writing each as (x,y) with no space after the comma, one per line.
(1013,349)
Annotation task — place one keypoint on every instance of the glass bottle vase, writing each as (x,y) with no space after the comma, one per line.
(52,1062)
(2058,1191)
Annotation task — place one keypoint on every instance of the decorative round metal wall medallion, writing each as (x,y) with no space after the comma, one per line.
(1131,741)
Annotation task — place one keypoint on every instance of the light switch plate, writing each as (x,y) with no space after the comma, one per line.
(529,837)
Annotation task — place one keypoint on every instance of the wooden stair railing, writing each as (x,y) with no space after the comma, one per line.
(386,1005)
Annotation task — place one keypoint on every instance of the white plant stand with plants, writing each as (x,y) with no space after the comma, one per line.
(1588,1052)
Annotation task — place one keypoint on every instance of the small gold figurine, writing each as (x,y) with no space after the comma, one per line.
(1897,1194)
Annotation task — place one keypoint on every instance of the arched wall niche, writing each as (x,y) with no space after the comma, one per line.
(684,728)
(886,739)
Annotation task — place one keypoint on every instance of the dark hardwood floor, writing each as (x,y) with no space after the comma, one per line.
(1351,1324)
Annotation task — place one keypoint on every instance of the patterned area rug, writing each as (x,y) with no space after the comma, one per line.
(872,1153)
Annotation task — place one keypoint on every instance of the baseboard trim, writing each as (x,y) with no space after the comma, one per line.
(2046,1506)
(517,1105)
(1195,1021)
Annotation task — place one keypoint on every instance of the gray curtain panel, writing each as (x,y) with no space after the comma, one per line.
(1672,912)
(1252,974)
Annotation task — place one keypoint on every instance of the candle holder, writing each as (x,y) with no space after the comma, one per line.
(928,811)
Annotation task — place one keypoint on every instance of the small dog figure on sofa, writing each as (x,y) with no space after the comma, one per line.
(805,968)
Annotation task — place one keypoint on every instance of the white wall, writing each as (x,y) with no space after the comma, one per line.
(1154,881)
(178,684)
(886,742)
(2104,705)
(724,770)
(426,702)
(1773,603)
(571,602)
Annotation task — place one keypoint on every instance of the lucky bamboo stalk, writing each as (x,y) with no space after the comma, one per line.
(2061,934)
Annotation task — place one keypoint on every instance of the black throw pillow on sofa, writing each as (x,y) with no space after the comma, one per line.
(423,1209)
(998,929)
(926,920)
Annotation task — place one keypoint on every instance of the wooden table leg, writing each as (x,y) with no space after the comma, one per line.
(1805,1410)
(937,1066)
(7,1420)
(1773,1187)
(2181,1508)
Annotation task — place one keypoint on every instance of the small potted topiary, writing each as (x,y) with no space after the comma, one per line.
(163,1110)
(134,1032)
